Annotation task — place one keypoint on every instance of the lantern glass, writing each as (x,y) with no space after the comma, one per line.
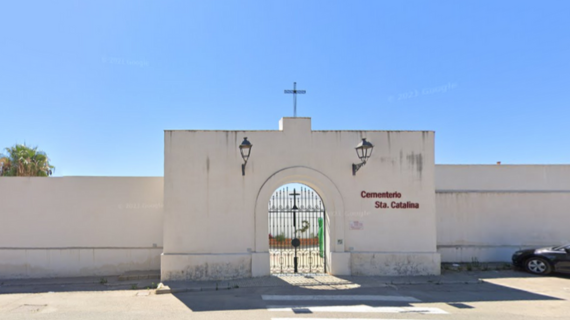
(364,150)
(245,149)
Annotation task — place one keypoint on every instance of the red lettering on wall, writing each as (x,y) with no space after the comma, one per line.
(393,204)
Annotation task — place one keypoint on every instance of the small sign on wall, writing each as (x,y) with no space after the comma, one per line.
(356,225)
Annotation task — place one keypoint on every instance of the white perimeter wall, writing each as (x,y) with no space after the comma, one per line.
(79,226)
(486,212)
(83,226)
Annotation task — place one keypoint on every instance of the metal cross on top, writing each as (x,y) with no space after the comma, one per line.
(294,194)
(295,92)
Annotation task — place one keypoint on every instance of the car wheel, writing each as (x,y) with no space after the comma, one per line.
(538,266)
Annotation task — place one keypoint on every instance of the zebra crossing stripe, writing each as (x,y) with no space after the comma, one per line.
(356,309)
(338,298)
(336,319)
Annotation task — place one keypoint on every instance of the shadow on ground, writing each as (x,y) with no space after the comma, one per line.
(456,294)
(461,281)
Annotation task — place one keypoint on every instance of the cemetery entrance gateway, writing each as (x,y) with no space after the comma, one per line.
(297,231)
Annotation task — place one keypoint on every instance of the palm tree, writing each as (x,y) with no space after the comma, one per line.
(4,164)
(24,161)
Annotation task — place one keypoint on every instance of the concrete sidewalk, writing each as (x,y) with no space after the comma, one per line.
(127,281)
(329,282)
(133,281)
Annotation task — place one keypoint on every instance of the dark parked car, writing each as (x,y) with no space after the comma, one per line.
(544,260)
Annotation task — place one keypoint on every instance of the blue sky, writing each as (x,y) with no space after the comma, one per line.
(94,84)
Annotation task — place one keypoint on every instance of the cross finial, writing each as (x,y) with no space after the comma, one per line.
(294,194)
(295,92)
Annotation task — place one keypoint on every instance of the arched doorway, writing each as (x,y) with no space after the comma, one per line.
(337,259)
(297,230)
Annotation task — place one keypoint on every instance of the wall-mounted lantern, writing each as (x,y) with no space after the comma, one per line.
(244,149)
(363,151)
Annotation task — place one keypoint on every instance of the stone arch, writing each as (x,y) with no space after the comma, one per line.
(327,190)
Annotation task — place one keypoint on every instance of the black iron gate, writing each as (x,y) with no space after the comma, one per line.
(297,231)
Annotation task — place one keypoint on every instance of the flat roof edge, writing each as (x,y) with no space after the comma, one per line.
(182,130)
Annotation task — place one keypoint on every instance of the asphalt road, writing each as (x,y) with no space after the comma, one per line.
(505,298)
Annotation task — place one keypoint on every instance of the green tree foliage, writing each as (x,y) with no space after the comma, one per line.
(23,161)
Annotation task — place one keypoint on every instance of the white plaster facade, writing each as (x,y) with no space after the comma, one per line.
(214,221)
(216,225)
(486,212)
(79,226)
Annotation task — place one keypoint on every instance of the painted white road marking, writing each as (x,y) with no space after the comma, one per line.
(339,298)
(335,319)
(359,308)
